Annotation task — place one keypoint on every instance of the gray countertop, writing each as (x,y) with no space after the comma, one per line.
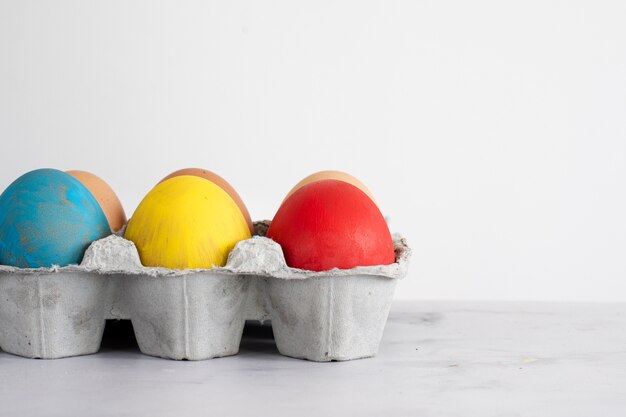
(436,359)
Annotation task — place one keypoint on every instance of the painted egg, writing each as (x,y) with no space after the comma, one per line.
(106,197)
(332,175)
(186,222)
(47,218)
(331,224)
(213,177)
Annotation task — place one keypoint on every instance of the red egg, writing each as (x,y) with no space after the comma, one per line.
(331,224)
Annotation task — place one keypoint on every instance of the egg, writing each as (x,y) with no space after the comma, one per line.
(331,224)
(47,218)
(106,197)
(186,222)
(213,177)
(332,175)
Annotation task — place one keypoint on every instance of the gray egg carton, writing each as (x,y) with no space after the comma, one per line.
(197,314)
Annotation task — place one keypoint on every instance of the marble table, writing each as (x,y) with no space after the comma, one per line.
(436,359)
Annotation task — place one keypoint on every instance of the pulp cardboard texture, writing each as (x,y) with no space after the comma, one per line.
(197,314)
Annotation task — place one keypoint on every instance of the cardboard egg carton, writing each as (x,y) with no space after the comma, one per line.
(197,314)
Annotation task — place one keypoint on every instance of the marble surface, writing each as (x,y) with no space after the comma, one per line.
(436,359)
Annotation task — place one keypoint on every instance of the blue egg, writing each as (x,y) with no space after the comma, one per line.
(47,217)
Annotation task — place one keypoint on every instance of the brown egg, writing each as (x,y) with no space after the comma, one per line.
(106,197)
(332,175)
(219,181)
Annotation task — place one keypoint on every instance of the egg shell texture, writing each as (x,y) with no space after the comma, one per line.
(331,175)
(225,185)
(331,224)
(186,222)
(47,218)
(106,197)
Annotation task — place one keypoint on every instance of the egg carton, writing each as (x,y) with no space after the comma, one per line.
(197,314)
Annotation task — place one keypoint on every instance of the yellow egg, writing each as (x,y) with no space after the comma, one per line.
(212,176)
(186,222)
(332,175)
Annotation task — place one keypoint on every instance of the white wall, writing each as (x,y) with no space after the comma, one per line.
(492,133)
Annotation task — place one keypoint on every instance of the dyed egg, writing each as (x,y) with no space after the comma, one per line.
(186,222)
(332,175)
(47,218)
(331,224)
(213,177)
(106,197)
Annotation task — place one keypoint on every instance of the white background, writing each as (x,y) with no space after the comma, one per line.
(492,133)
